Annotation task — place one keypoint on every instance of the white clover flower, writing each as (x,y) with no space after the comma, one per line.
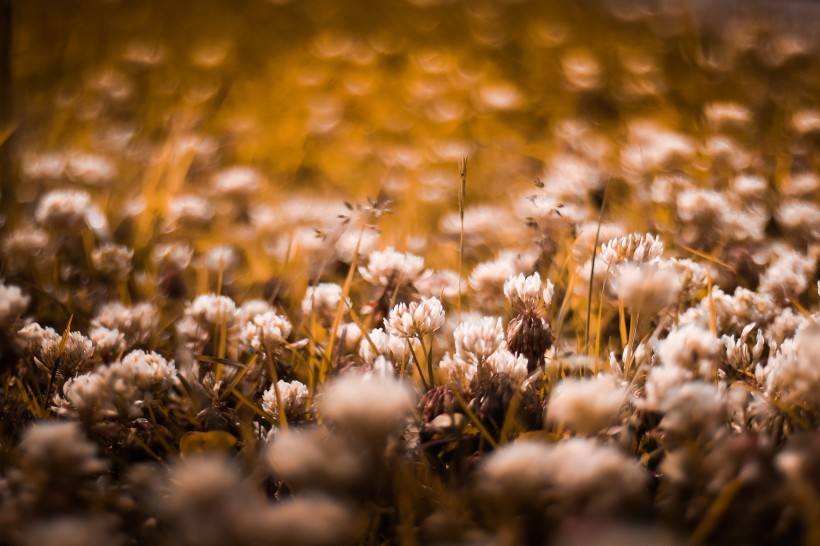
(265,332)
(443,283)
(391,268)
(190,210)
(381,343)
(586,405)
(237,181)
(694,408)
(417,319)
(477,339)
(138,322)
(792,374)
(503,361)
(349,334)
(251,308)
(174,256)
(366,408)
(660,381)
(113,260)
(44,346)
(572,472)
(121,389)
(293,395)
(522,291)
(108,343)
(207,316)
(692,348)
(788,276)
(646,288)
(458,371)
(323,300)
(13,303)
(63,209)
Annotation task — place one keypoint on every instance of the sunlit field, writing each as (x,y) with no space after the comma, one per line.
(314,272)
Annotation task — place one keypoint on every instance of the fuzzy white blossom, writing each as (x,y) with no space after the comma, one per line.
(13,303)
(522,291)
(380,343)
(646,288)
(390,268)
(292,395)
(692,348)
(477,339)
(121,389)
(265,332)
(574,472)
(44,346)
(458,371)
(418,318)
(788,276)
(503,361)
(792,374)
(209,315)
(137,323)
(323,300)
(586,405)
(366,408)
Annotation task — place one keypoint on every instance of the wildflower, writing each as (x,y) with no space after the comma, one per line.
(238,181)
(390,268)
(575,474)
(476,340)
(63,210)
(265,332)
(25,249)
(108,343)
(505,362)
(586,405)
(791,373)
(366,408)
(314,459)
(457,371)
(137,323)
(323,300)
(293,397)
(691,348)
(441,284)
(787,276)
(113,260)
(416,319)
(209,315)
(189,210)
(13,303)
(694,409)
(121,389)
(172,256)
(523,292)
(380,343)
(44,346)
(646,288)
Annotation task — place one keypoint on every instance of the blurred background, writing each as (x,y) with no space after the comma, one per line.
(363,97)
